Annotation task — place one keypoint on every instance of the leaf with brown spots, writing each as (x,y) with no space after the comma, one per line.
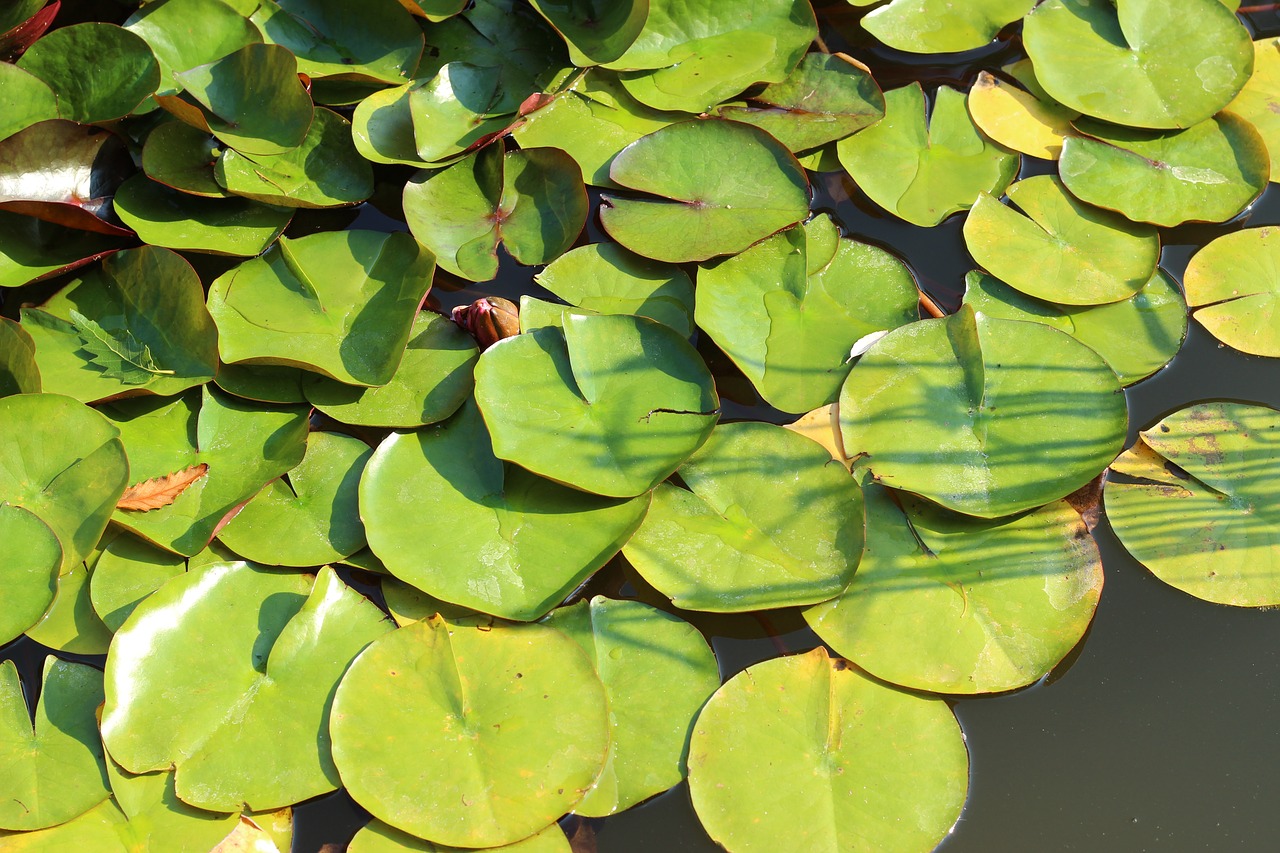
(160,491)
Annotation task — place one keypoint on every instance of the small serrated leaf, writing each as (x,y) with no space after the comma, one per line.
(160,491)
(120,355)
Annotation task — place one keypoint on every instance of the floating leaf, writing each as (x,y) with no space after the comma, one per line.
(18,371)
(120,355)
(596,31)
(28,572)
(374,40)
(183,157)
(504,34)
(266,384)
(941,26)
(1233,289)
(128,571)
(185,33)
(32,249)
(458,109)
(1259,100)
(1022,119)
(377,837)
(382,127)
(70,625)
(176,220)
(122,73)
(160,492)
(27,100)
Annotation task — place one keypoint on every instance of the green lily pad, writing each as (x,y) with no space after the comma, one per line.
(1135,336)
(253,99)
(607,279)
(18,371)
(448,517)
(657,671)
(377,837)
(924,166)
(136,323)
(122,73)
(310,516)
(630,398)
(788,310)
(153,811)
(32,249)
(1206,173)
(1259,101)
(245,447)
(533,202)
(326,170)
(64,463)
(941,26)
(54,770)
(170,28)
(868,768)
(223,226)
(953,604)
(263,383)
(373,40)
(987,417)
(505,34)
(434,10)
(382,127)
(1194,502)
(183,157)
(28,572)
(1058,249)
(129,570)
(26,99)
(458,108)
(507,721)
(1140,63)
(596,31)
(1022,119)
(435,376)
(264,650)
(704,208)
(407,603)
(766,521)
(1233,289)
(338,303)
(71,625)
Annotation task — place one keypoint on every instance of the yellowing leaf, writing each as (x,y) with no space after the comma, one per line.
(160,491)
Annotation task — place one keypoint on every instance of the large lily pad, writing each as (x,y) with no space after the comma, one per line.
(987,417)
(1233,288)
(1259,100)
(264,650)
(1023,119)
(185,33)
(868,768)
(378,837)
(448,517)
(789,309)
(29,570)
(595,31)
(122,73)
(18,371)
(1058,249)
(338,303)
(373,40)
(705,208)
(1141,63)
(942,26)
(630,399)
(33,249)
(224,226)
(1194,501)
(922,165)
(128,571)
(505,721)
(459,108)
(26,100)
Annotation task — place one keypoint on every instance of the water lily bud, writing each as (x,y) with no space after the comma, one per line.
(489,319)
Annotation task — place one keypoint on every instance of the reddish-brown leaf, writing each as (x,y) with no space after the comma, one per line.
(160,491)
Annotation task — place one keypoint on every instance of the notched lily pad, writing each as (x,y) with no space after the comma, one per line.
(128,571)
(1233,289)
(1023,119)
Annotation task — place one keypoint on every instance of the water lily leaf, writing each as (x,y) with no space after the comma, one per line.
(533,202)
(696,54)
(607,279)
(183,157)
(326,170)
(433,379)
(940,26)
(18,371)
(1206,173)
(19,12)
(458,108)
(339,303)
(532,716)
(94,830)
(630,397)
(33,249)
(596,31)
(54,769)
(1194,502)
(123,73)
(826,98)
(1233,288)
(129,570)
(26,99)
(1140,63)
(29,570)
(269,832)
(1259,101)
(63,462)
(375,40)
(264,383)
(870,768)
(407,603)
(185,33)
(1058,249)
(504,34)
(1136,336)
(448,517)
(704,209)
(1023,119)
(70,625)
(244,446)
(925,166)
(434,10)
(788,310)
(264,650)
(657,671)
(964,412)
(382,127)
(136,323)
(253,99)
(766,522)
(377,837)
(176,220)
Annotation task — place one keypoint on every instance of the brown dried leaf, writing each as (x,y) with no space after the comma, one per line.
(160,491)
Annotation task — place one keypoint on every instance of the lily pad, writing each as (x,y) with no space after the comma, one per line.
(338,303)
(1259,101)
(264,383)
(505,34)
(1058,249)
(1023,119)
(153,811)
(459,108)
(1194,501)
(448,517)
(434,10)
(1140,63)
(71,625)
(704,208)
(382,127)
(788,310)
(373,40)
(264,650)
(987,417)
(407,603)
(510,721)
(1233,289)
(630,398)
(183,157)
(185,33)
(28,572)
(223,226)
(924,166)
(33,249)
(18,371)
(596,31)
(1206,173)
(129,570)
(378,837)
(54,769)
(122,74)
(869,768)
(26,100)
(942,26)
(533,202)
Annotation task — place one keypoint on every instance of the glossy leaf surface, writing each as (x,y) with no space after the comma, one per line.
(122,73)
(1023,119)
(940,26)
(28,570)
(1233,288)
(185,33)
(374,40)
(176,220)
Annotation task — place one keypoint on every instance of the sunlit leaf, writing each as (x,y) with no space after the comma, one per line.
(1233,289)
